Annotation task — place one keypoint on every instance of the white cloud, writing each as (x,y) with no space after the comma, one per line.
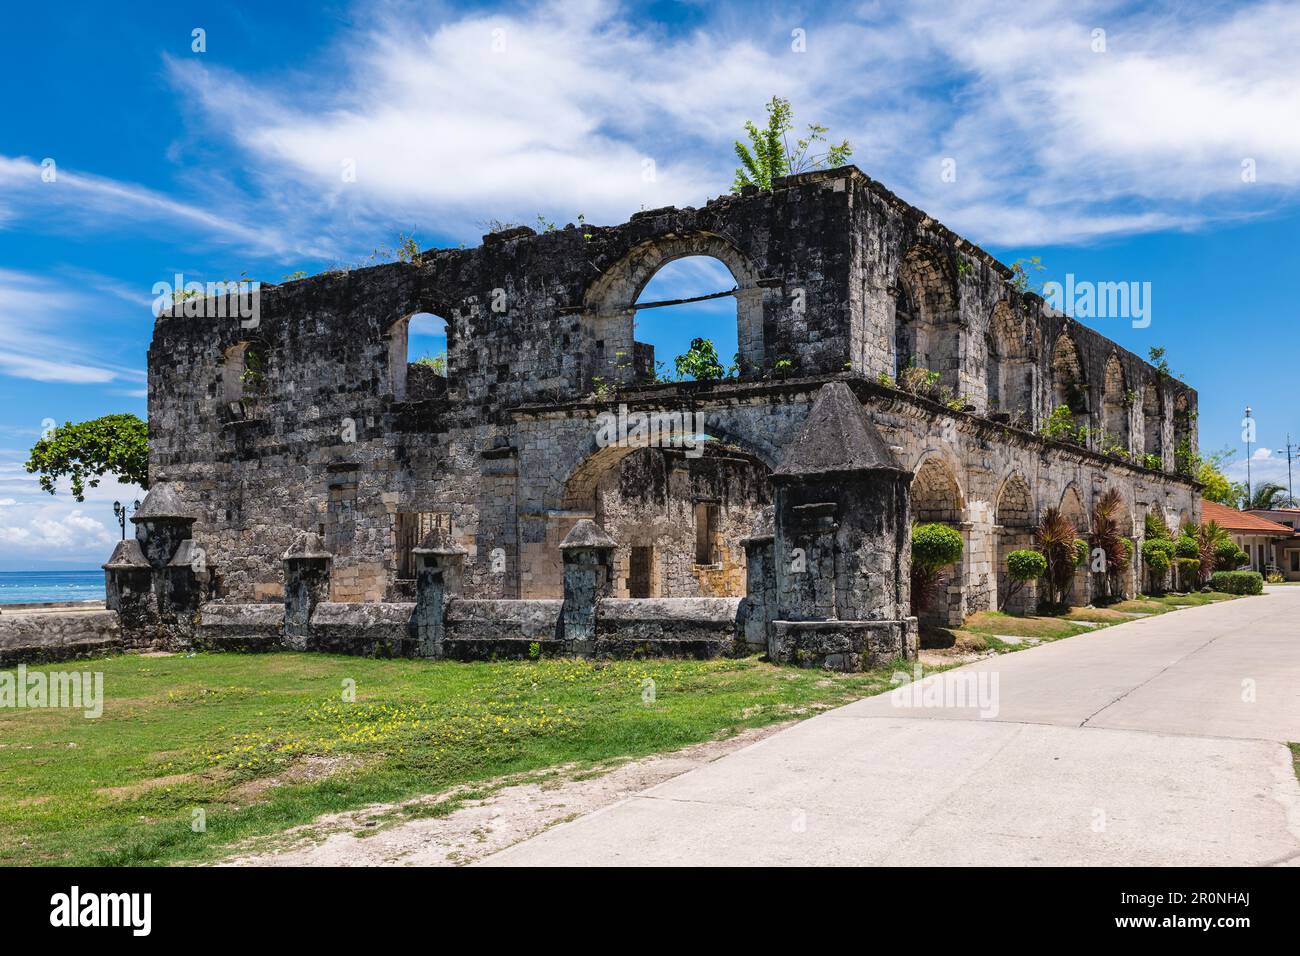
(36,316)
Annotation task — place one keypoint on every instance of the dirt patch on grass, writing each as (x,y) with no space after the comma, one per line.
(476,820)
(130,790)
(306,770)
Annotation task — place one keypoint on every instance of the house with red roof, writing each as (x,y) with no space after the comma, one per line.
(1271,545)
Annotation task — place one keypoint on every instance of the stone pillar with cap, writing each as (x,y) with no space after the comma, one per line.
(439,576)
(306,584)
(162,527)
(128,584)
(588,554)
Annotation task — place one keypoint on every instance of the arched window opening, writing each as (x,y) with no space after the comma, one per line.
(1010,367)
(1152,422)
(686,324)
(417,357)
(243,372)
(927,335)
(1115,410)
(1068,384)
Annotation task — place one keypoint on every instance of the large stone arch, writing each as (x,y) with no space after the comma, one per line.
(609,304)
(1012,348)
(1014,528)
(664,504)
(936,497)
(1072,507)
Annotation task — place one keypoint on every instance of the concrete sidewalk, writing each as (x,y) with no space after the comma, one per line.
(1156,742)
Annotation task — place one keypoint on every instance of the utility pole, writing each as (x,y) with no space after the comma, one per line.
(1290,450)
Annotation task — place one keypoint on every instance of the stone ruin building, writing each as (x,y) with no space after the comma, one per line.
(313,490)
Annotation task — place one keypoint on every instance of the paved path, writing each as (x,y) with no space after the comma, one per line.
(1155,742)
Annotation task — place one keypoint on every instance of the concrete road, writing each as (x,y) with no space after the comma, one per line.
(1156,742)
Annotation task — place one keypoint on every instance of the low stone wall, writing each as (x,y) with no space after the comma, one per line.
(51,636)
(842,645)
(483,630)
(240,627)
(666,627)
(371,629)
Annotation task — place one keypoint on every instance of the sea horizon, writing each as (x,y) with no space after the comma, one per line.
(41,587)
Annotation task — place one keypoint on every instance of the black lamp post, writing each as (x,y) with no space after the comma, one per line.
(121,511)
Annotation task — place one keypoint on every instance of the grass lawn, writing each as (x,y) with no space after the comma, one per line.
(981,630)
(263,742)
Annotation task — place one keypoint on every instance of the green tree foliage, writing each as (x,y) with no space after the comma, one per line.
(1208,537)
(934,547)
(113,445)
(436,362)
(1022,567)
(1208,470)
(769,156)
(1265,498)
(700,362)
(1229,557)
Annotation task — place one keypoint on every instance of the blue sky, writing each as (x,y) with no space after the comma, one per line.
(1120,162)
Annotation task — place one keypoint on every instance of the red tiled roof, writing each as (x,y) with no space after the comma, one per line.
(1235,520)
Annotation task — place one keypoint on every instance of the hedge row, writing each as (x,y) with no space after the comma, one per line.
(1237,582)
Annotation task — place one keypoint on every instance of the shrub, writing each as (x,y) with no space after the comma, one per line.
(1081,552)
(1237,582)
(1187,570)
(1023,566)
(1154,525)
(1275,577)
(1056,541)
(934,547)
(1229,557)
(1186,547)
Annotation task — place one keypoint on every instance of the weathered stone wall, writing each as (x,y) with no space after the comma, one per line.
(328,430)
(49,636)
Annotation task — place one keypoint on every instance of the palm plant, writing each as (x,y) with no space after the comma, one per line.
(1108,536)
(1208,537)
(1055,537)
(1266,497)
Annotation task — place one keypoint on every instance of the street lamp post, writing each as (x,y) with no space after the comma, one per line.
(1248,432)
(120,511)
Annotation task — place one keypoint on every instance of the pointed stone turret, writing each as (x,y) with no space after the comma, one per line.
(128,584)
(836,438)
(586,534)
(839,555)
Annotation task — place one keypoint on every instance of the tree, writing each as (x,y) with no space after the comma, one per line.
(1208,537)
(1218,487)
(934,547)
(1022,567)
(113,445)
(1264,498)
(769,156)
(700,361)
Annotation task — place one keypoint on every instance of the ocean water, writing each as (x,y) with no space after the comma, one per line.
(30,587)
